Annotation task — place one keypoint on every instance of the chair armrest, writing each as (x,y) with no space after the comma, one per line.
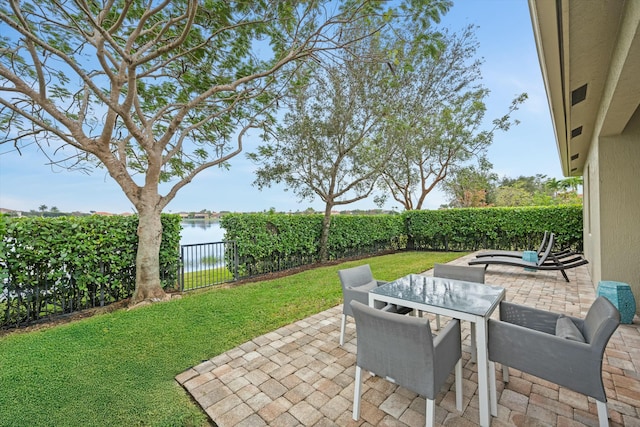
(448,350)
(360,295)
(531,318)
(571,364)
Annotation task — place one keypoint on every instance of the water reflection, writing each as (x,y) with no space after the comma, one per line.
(200,231)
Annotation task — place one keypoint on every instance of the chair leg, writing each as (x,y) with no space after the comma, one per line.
(356,393)
(342,328)
(430,413)
(437,322)
(458,374)
(505,374)
(603,416)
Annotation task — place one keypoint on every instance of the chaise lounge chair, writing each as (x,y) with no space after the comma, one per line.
(519,254)
(548,261)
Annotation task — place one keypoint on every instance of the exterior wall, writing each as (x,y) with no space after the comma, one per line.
(612,213)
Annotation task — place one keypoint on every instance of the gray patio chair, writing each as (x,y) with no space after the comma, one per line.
(356,283)
(468,274)
(564,350)
(402,350)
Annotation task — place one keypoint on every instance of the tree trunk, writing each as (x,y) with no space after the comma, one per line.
(324,234)
(148,286)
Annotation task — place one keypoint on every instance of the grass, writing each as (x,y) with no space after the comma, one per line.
(118,369)
(200,278)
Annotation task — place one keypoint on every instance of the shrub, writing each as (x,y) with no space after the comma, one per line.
(63,264)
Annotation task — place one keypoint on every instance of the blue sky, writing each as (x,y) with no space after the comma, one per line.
(511,67)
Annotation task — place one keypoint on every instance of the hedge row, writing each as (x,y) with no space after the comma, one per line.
(494,228)
(272,242)
(59,265)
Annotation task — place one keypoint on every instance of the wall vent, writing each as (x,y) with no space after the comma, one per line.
(579,95)
(575,156)
(576,132)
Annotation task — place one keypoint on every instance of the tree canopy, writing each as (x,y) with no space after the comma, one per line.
(330,143)
(440,116)
(535,190)
(158,91)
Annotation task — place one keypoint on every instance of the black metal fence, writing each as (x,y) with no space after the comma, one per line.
(33,296)
(25,301)
(207,264)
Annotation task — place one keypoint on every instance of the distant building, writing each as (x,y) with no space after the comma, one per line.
(10,212)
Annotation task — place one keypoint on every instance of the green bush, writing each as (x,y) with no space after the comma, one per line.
(351,235)
(270,242)
(494,228)
(60,265)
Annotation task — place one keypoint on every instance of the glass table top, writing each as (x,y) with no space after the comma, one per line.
(475,298)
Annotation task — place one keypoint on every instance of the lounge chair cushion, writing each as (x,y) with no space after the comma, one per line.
(565,328)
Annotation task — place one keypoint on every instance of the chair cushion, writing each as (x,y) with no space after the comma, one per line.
(366,287)
(565,328)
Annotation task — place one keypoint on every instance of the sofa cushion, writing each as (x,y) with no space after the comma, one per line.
(565,328)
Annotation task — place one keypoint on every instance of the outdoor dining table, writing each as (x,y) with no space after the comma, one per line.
(474,302)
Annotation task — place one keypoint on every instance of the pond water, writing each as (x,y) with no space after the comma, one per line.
(200,231)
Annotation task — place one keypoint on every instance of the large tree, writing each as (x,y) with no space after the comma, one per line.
(330,144)
(439,117)
(471,186)
(158,91)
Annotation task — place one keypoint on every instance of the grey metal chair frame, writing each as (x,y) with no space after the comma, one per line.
(525,339)
(402,350)
(356,283)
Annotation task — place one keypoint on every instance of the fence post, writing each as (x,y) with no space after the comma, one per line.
(181,270)
(236,260)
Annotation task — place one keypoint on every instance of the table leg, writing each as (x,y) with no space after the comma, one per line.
(474,351)
(493,396)
(483,372)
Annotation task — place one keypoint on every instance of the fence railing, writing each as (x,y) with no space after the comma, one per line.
(201,265)
(34,296)
(207,264)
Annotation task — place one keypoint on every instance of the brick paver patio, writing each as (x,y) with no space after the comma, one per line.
(298,375)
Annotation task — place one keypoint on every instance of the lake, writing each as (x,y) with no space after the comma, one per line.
(200,231)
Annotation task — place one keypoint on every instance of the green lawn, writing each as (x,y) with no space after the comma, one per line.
(200,278)
(118,369)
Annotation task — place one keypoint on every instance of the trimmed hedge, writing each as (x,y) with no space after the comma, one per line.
(59,265)
(352,235)
(270,242)
(63,264)
(494,228)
